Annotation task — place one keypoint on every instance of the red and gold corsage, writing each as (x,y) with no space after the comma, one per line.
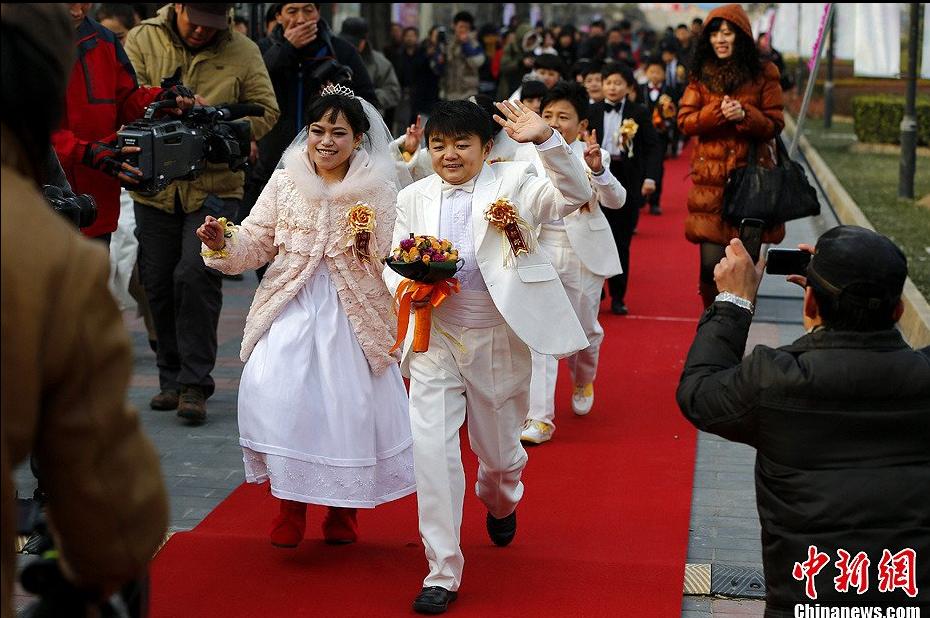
(503,215)
(360,224)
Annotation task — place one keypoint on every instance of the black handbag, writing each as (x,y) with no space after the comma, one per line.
(775,195)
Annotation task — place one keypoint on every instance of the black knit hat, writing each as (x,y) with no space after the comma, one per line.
(859,266)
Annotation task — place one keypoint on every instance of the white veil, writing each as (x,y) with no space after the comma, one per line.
(376,142)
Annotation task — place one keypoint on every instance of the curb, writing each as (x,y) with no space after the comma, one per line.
(915,323)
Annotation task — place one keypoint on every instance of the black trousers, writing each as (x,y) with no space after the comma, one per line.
(184,295)
(622,225)
(655,199)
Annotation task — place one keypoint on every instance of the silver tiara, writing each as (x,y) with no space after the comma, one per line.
(337,89)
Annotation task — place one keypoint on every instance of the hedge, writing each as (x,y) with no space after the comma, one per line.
(877,118)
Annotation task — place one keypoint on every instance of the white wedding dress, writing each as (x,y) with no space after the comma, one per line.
(313,419)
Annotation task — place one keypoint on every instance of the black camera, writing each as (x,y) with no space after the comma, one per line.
(180,148)
(81,210)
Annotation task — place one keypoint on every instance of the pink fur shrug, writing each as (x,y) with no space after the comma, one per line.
(299,220)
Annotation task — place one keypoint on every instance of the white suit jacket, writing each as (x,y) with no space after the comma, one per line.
(527,292)
(588,230)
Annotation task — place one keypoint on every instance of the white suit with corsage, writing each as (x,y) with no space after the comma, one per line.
(478,362)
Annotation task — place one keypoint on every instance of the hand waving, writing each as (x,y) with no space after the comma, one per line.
(414,136)
(592,152)
(211,234)
(522,124)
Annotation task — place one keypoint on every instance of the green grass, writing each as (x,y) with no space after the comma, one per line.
(872,181)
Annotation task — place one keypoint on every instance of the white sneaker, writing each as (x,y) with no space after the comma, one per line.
(583,399)
(537,432)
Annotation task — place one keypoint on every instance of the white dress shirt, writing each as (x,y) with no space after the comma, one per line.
(612,121)
(455,214)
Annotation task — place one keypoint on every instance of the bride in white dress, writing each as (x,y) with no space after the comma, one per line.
(323,410)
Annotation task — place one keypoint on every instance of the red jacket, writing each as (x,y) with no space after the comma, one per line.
(102,96)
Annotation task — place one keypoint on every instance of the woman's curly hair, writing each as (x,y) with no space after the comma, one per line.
(745,63)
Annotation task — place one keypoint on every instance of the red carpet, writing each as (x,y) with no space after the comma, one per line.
(603,526)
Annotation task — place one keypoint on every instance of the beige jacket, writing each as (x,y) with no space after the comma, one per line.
(65,373)
(230,70)
(295,228)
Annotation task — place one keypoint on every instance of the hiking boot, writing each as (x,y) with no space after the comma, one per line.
(167,399)
(193,405)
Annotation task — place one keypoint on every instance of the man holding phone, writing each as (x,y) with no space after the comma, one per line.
(840,418)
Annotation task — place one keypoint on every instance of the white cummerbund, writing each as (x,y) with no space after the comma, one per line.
(471,309)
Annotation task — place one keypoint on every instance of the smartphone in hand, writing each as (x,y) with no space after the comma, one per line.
(750,233)
(787,262)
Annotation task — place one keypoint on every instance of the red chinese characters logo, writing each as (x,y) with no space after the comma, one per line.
(853,573)
(898,571)
(809,569)
(895,571)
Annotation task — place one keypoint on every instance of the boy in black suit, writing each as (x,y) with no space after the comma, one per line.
(635,159)
(662,102)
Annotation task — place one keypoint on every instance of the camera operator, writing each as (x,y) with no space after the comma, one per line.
(66,354)
(302,55)
(102,95)
(840,418)
(196,42)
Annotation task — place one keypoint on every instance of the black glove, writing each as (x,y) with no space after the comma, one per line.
(103,156)
(175,91)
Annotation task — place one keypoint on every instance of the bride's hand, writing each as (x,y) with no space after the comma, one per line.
(211,234)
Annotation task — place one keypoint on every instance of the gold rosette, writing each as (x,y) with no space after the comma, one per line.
(229,230)
(503,215)
(625,134)
(360,225)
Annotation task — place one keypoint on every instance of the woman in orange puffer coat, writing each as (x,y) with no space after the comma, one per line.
(732,102)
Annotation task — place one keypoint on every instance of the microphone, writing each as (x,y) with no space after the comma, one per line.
(234,111)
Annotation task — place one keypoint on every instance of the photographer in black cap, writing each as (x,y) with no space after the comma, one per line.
(840,419)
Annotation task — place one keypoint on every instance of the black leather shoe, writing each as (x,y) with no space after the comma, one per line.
(503,530)
(618,308)
(434,600)
(655,210)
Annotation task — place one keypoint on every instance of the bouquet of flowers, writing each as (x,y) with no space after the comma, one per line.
(428,266)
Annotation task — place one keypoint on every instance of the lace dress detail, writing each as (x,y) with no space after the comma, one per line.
(316,483)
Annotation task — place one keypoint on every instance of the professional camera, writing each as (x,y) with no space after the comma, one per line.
(81,210)
(180,148)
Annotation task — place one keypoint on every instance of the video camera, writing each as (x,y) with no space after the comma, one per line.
(81,210)
(180,148)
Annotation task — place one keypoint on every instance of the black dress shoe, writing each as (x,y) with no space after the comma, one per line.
(434,600)
(618,308)
(502,530)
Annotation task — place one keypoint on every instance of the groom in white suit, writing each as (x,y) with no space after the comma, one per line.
(478,362)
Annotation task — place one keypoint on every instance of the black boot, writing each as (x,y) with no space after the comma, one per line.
(434,600)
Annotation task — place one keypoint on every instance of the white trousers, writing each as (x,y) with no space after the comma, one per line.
(484,375)
(584,291)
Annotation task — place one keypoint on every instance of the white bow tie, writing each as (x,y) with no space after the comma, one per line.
(467,187)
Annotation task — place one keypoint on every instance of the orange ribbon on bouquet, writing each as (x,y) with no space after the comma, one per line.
(409,291)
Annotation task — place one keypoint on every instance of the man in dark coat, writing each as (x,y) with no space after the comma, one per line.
(637,163)
(299,48)
(840,420)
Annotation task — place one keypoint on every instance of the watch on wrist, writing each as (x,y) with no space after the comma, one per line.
(739,301)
